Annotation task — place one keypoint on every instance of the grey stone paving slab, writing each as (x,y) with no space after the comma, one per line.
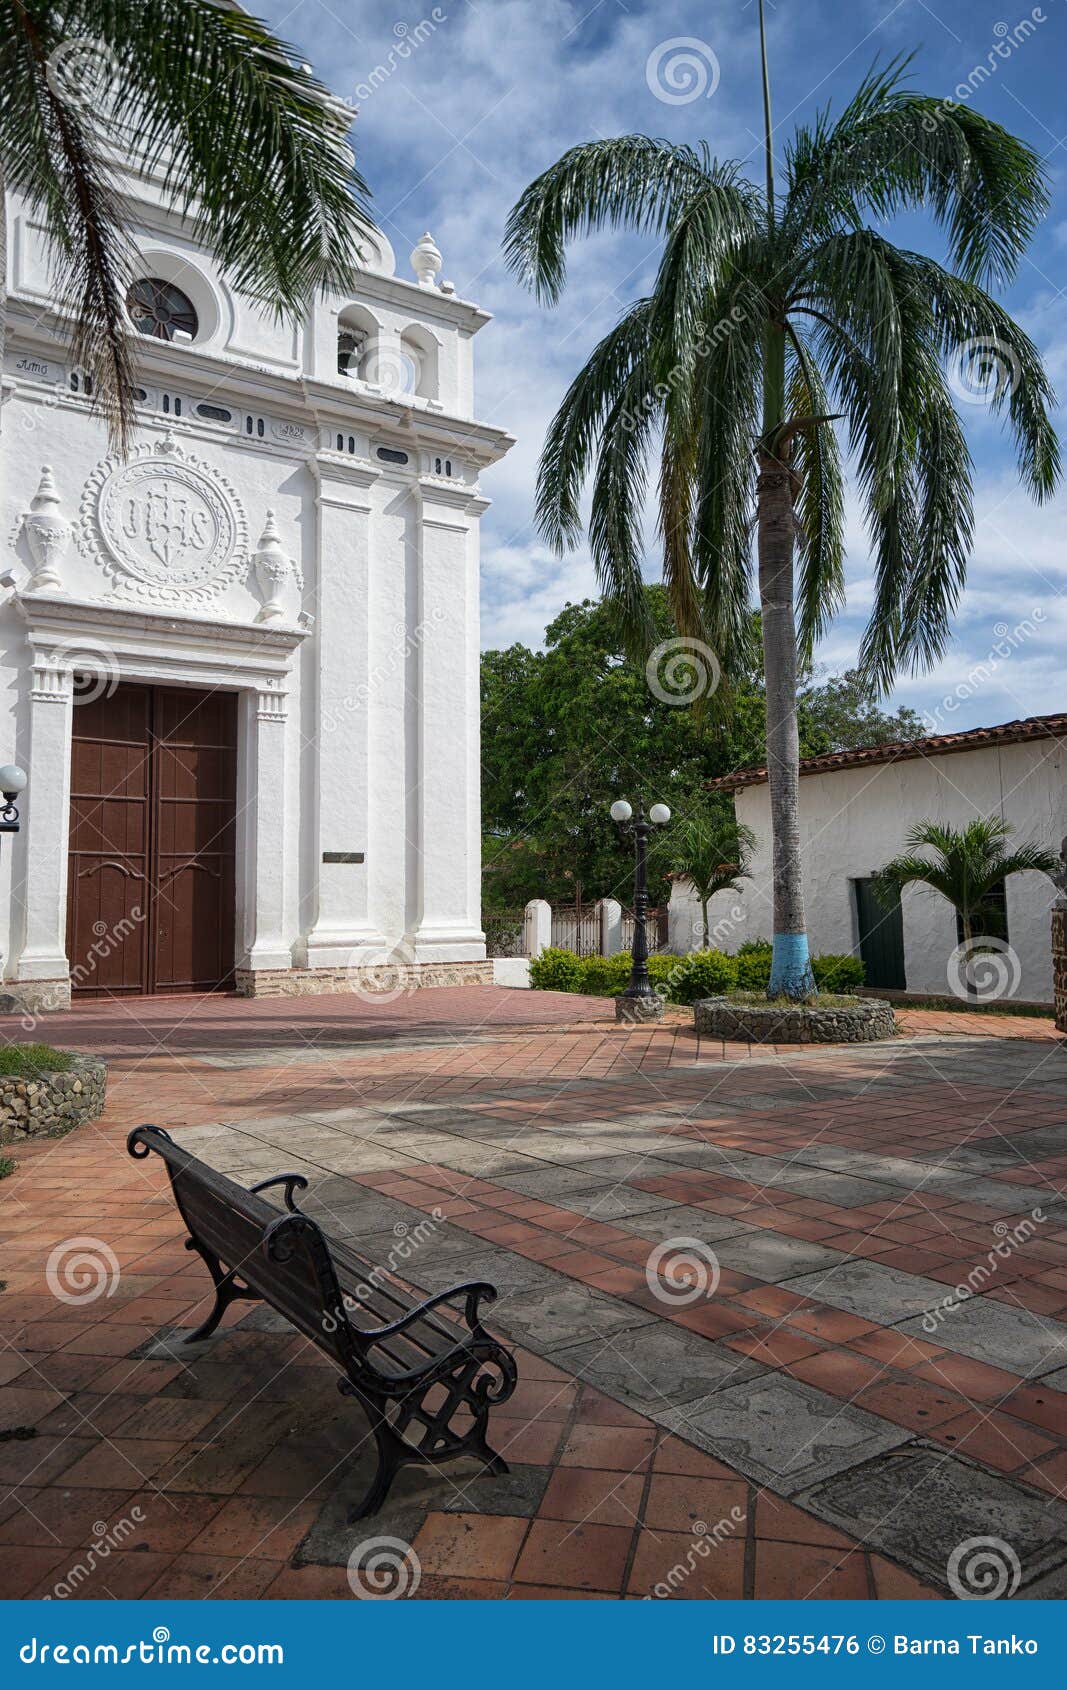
(548,1183)
(921,1503)
(550,1321)
(774,1257)
(1000,1334)
(612,1170)
(415,1491)
(872,1290)
(659,1368)
(681,1221)
(517,1492)
(784,1434)
(1057,1382)
(616,1203)
(510,1274)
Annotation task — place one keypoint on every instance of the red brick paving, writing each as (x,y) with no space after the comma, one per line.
(228,1489)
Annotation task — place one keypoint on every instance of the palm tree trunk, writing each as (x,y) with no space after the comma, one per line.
(707,929)
(790,965)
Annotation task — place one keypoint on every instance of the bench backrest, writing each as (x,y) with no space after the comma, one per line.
(285,1258)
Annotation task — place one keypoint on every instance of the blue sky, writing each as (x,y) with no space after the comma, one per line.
(494,90)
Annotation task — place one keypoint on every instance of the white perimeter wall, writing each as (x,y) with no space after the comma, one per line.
(852,821)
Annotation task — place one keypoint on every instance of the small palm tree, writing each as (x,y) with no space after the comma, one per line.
(774,314)
(711,852)
(243,138)
(967,867)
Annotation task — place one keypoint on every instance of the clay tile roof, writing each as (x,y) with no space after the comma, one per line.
(934,745)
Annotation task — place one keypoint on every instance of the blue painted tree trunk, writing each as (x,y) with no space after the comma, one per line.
(791,975)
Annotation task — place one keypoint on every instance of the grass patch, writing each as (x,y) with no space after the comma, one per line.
(7,1166)
(30,1061)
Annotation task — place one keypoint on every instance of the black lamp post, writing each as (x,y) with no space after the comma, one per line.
(12,783)
(639,1002)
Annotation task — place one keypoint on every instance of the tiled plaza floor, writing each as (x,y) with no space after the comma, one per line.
(809,1409)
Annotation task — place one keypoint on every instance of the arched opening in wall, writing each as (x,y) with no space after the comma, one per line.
(419,356)
(357,335)
(170,299)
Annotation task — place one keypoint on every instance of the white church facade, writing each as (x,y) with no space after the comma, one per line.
(240,665)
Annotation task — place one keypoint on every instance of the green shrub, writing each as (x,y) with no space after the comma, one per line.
(682,979)
(30,1060)
(838,973)
(703,974)
(606,976)
(753,961)
(556,970)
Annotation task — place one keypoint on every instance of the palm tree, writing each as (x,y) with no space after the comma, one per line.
(968,867)
(774,315)
(244,139)
(711,852)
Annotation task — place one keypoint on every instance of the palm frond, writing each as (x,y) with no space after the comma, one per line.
(630,181)
(50,146)
(248,142)
(894,150)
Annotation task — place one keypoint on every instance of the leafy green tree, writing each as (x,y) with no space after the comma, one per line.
(712,850)
(968,867)
(777,311)
(203,96)
(567,729)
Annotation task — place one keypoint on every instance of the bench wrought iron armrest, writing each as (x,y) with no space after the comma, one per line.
(291,1182)
(141,1147)
(472,1291)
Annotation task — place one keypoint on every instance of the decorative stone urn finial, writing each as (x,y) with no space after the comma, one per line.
(47,535)
(426,261)
(272,569)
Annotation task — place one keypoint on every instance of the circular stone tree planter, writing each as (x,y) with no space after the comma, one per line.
(849,1021)
(52,1101)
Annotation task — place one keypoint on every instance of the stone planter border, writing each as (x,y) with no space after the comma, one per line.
(53,1103)
(858,1022)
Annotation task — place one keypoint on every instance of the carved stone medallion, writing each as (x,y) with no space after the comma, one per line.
(167,526)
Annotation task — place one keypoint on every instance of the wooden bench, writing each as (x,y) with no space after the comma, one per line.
(426,1380)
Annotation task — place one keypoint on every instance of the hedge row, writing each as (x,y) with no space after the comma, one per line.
(684,979)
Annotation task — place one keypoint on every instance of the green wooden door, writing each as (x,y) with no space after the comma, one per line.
(881,938)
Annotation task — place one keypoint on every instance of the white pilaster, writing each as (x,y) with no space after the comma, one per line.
(46,824)
(343,933)
(265,797)
(449,814)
